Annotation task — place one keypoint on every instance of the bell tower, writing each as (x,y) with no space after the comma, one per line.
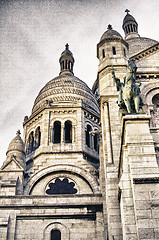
(112,52)
(66,61)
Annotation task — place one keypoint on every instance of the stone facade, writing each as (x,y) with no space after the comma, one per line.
(81,171)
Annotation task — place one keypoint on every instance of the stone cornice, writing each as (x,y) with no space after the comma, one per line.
(145,53)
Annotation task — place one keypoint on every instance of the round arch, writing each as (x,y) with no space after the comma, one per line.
(56,226)
(149,91)
(88,177)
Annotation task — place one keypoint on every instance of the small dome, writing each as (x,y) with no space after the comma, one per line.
(16,144)
(66,52)
(128,17)
(110,33)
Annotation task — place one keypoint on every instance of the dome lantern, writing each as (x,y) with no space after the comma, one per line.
(66,61)
(130,26)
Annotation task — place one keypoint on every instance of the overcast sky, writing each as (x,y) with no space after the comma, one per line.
(33,34)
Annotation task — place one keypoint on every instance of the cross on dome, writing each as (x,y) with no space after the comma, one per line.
(18,133)
(109,27)
(67,46)
(127,11)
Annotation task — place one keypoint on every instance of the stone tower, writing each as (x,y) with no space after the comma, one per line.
(128,164)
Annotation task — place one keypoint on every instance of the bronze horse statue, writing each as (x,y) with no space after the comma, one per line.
(129,93)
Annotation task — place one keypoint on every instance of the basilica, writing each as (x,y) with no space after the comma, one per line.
(87,166)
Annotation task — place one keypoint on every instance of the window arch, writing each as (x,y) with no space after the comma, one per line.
(114,50)
(31,142)
(55,234)
(61,186)
(68,132)
(62,65)
(155,100)
(103,53)
(88,136)
(37,137)
(57,132)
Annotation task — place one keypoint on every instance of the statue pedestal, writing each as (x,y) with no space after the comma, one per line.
(139,179)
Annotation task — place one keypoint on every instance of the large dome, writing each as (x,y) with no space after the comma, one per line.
(66,88)
(139,44)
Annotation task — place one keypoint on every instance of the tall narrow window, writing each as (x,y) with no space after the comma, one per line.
(31,142)
(88,136)
(37,137)
(55,235)
(57,132)
(124,52)
(70,65)
(96,142)
(114,50)
(68,132)
(131,27)
(103,53)
(62,65)
(66,64)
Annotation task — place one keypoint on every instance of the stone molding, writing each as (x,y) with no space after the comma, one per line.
(89,178)
(56,226)
(145,53)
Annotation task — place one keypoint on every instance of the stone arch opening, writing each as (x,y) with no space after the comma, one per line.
(57,132)
(68,132)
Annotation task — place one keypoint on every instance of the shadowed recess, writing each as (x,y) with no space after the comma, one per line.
(61,187)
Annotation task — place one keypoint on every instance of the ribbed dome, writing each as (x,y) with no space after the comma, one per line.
(66,52)
(16,144)
(65,88)
(110,33)
(128,17)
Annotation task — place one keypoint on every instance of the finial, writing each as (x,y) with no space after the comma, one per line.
(67,46)
(18,133)
(109,27)
(127,11)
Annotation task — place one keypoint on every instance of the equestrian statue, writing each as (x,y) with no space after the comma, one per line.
(129,100)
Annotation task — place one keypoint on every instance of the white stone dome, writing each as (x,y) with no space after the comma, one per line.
(110,34)
(16,144)
(66,88)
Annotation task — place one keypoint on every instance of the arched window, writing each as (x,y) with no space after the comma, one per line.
(61,186)
(31,142)
(66,64)
(88,136)
(96,142)
(68,132)
(114,50)
(155,100)
(70,65)
(55,235)
(103,52)
(57,132)
(37,137)
(62,65)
